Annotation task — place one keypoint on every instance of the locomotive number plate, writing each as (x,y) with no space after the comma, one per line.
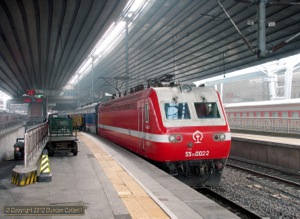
(196,154)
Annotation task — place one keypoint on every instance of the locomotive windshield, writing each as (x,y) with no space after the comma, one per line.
(176,111)
(207,110)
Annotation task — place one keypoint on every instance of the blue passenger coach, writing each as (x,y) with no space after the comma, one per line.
(85,117)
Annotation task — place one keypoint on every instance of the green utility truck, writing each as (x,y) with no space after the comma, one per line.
(61,136)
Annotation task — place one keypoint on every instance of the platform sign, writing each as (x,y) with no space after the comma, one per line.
(35,95)
(30,92)
(27,100)
(32,100)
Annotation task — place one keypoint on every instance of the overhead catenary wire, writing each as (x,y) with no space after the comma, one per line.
(240,33)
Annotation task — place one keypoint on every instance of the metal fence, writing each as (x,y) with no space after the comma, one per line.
(266,124)
(35,140)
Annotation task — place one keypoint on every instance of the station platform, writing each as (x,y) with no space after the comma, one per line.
(293,142)
(278,152)
(105,181)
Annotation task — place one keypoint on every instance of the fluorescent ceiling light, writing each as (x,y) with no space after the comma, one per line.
(111,36)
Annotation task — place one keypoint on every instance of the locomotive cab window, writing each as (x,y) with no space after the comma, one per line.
(177,111)
(207,110)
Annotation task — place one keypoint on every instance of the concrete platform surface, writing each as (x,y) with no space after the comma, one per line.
(104,181)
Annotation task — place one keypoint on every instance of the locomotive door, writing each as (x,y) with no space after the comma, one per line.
(142,118)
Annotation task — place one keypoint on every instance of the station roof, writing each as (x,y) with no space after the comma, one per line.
(43,42)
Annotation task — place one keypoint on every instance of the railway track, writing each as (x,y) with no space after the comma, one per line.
(271,186)
(232,206)
(289,178)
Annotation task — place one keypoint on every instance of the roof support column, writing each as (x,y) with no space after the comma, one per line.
(288,78)
(272,80)
(262,28)
(45,107)
(93,79)
(126,58)
(78,91)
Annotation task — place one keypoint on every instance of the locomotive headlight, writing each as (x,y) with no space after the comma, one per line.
(172,138)
(222,137)
(219,137)
(175,138)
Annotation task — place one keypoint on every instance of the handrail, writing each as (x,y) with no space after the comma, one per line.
(267,124)
(34,142)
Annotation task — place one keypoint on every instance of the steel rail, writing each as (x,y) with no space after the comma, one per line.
(260,173)
(236,208)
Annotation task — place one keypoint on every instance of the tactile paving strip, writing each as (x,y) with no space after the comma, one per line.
(137,201)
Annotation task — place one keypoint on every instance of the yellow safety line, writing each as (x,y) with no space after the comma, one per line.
(137,201)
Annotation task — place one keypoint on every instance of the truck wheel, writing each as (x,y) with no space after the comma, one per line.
(75,149)
(50,150)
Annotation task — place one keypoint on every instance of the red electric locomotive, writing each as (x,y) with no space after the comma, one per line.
(183,128)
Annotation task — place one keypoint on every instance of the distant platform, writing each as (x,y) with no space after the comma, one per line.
(280,152)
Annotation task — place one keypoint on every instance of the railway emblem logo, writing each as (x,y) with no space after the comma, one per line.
(197,136)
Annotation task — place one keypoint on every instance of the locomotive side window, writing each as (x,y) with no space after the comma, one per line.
(176,111)
(207,110)
(146,112)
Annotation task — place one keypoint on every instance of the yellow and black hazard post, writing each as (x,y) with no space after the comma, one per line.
(24,176)
(45,175)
